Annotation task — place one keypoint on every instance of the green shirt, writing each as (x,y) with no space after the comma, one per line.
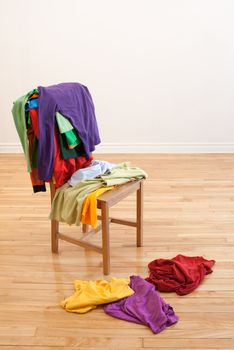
(66,128)
(18,112)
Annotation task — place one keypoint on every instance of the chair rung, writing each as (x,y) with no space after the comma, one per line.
(80,243)
(123,222)
(91,233)
(120,221)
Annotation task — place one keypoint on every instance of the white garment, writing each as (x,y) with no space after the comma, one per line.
(97,167)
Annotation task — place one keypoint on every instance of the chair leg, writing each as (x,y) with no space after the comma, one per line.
(105,238)
(139,215)
(54,235)
(85,228)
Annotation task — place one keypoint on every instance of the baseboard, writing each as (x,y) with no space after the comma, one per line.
(144,148)
(165,148)
(10,148)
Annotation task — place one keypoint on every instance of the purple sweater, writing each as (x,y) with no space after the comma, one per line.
(74,101)
(145,307)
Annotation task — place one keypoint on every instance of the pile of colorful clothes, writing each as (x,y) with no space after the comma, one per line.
(58,132)
(136,299)
(77,200)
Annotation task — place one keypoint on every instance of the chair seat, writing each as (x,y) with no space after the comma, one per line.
(115,195)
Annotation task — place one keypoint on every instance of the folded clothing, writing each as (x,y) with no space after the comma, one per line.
(97,167)
(182,274)
(145,307)
(90,294)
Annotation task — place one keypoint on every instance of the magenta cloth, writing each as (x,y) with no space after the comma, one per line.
(74,101)
(182,274)
(145,307)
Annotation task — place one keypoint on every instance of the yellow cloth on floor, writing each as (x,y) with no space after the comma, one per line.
(89,210)
(89,294)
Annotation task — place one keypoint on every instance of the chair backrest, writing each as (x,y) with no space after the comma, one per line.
(52,191)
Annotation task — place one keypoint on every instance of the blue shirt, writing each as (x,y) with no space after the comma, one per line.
(33,103)
(97,167)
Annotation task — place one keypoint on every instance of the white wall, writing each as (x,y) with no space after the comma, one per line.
(161,72)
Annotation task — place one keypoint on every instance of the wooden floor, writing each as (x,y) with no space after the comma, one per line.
(188,209)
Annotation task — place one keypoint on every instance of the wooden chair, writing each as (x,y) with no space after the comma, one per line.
(104,203)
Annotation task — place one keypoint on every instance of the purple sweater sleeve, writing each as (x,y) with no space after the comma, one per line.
(46,115)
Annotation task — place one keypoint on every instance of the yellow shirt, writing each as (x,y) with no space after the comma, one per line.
(89,294)
(89,210)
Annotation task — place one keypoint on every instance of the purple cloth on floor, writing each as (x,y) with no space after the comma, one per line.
(145,306)
(74,101)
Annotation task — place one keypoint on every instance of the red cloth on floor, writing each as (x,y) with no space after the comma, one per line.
(182,274)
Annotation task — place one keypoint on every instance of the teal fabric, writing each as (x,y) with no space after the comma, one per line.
(18,112)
